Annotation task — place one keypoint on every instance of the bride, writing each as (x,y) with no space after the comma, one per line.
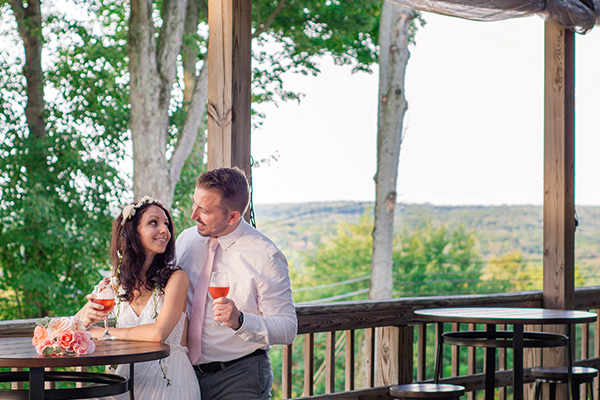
(151,300)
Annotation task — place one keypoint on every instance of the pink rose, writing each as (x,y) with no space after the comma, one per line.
(65,340)
(45,347)
(40,333)
(58,325)
(82,343)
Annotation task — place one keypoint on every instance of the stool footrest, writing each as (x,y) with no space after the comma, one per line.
(561,374)
(101,385)
(504,339)
(427,391)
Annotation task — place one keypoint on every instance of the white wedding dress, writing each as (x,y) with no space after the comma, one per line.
(172,378)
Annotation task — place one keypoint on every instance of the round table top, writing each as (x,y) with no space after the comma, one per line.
(504,315)
(18,352)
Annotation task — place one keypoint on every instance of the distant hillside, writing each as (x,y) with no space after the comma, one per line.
(499,229)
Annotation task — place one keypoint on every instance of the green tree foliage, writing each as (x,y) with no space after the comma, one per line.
(346,256)
(510,272)
(436,261)
(427,261)
(56,191)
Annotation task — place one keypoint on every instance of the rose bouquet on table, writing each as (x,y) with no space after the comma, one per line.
(62,336)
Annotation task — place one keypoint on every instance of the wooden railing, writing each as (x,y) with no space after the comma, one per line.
(365,332)
(390,336)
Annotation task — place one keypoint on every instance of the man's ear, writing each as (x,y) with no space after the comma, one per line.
(234,217)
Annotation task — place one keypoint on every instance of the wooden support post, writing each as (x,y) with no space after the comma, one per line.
(229,74)
(393,367)
(559,170)
(559,178)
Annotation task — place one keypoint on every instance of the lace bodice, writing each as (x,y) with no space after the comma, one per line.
(127,318)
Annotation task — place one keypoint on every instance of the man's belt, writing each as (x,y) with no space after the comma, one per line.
(220,366)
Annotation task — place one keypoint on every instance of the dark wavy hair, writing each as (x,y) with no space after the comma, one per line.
(128,255)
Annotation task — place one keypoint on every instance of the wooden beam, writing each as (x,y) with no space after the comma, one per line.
(559,178)
(229,74)
(559,171)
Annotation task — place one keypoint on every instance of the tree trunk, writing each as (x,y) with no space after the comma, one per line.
(393,58)
(153,66)
(29,22)
(394,27)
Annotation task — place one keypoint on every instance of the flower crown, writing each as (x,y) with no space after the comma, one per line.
(130,209)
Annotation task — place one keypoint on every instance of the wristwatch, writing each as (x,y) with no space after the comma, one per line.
(241,319)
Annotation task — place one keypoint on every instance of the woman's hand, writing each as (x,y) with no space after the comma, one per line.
(91,313)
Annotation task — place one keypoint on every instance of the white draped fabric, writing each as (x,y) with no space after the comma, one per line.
(578,15)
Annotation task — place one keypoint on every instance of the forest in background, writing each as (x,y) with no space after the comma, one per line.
(299,227)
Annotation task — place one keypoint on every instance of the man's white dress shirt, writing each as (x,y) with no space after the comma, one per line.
(259,285)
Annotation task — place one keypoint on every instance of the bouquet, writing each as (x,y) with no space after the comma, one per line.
(62,336)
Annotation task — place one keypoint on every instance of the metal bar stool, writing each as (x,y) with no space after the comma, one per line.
(427,391)
(552,376)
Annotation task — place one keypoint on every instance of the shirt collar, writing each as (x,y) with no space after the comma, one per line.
(229,239)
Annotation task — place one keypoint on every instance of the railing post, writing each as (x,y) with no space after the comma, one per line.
(349,367)
(394,355)
(309,363)
(286,366)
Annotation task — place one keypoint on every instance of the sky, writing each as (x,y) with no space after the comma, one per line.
(473,131)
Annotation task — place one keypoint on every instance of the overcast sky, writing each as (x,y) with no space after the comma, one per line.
(474,129)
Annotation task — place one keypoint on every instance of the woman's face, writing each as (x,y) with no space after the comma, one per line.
(154,231)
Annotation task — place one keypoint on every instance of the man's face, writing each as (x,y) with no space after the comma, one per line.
(212,218)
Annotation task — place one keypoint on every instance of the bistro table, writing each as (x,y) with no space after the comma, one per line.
(491,339)
(18,352)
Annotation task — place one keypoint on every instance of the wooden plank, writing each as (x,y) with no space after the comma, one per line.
(330,363)
(309,363)
(597,348)
(439,330)
(349,366)
(455,353)
(421,352)
(585,353)
(532,358)
(370,357)
(378,393)
(286,373)
(229,75)
(405,354)
(559,180)
(376,313)
(471,361)
(387,356)
(559,171)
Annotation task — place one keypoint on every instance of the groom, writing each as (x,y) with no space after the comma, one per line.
(232,361)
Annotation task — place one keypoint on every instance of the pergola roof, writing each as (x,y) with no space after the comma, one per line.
(577,15)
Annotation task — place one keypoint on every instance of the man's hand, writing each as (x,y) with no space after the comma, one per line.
(225,310)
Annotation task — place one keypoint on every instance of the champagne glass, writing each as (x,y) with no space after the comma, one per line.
(218,287)
(105,295)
